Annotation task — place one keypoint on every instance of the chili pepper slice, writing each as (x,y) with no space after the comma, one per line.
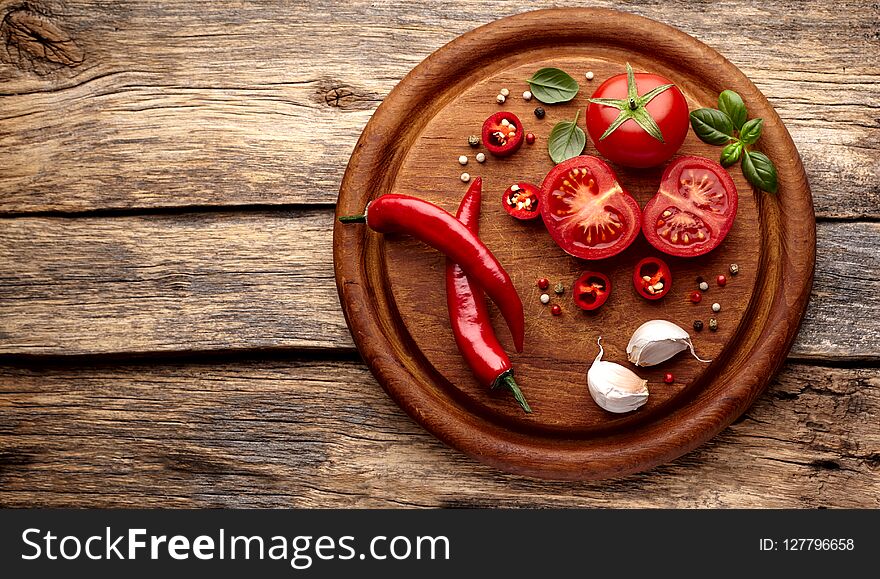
(652,278)
(502,134)
(520,200)
(469,315)
(591,290)
(394,213)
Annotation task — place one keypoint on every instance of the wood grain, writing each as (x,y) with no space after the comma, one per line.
(181,104)
(264,280)
(261,103)
(297,433)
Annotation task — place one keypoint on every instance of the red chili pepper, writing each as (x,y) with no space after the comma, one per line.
(432,225)
(520,200)
(502,138)
(591,290)
(469,315)
(657,272)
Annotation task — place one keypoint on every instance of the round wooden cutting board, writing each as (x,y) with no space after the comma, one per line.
(392,287)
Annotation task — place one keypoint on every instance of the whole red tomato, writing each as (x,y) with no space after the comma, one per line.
(637,119)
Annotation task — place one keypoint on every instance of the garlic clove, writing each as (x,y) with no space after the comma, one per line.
(656,341)
(614,387)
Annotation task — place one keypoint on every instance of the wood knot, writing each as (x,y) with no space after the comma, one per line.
(344,97)
(33,42)
(339,97)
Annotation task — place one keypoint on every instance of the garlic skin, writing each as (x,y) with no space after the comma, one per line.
(614,387)
(657,341)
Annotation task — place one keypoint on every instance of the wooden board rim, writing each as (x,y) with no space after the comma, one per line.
(788,256)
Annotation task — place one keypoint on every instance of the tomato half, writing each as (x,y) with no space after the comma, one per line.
(503,134)
(694,209)
(585,209)
(521,200)
(652,278)
(630,144)
(591,290)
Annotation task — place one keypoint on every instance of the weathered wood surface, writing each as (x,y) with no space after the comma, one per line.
(143,105)
(301,433)
(262,102)
(264,279)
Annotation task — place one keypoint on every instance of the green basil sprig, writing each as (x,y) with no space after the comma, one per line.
(551,85)
(566,140)
(727,125)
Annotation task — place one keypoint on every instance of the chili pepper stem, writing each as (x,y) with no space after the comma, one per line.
(506,379)
(353,218)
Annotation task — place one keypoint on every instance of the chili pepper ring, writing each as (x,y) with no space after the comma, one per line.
(394,213)
(469,315)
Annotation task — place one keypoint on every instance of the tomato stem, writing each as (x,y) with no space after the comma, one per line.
(633,105)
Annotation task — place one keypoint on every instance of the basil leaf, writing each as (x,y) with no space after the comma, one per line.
(551,85)
(566,140)
(712,126)
(751,131)
(731,153)
(759,170)
(733,106)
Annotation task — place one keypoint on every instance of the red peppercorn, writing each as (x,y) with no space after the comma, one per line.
(696,297)
(722,281)
(556,310)
(530,138)
(543,283)
(669,378)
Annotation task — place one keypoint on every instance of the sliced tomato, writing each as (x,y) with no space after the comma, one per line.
(521,200)
(591,290)
(694,209)
(587,212)
(503,134)
(652,278)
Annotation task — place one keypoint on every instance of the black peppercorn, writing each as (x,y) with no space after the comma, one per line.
(698,325)
(474,141)
(539,112)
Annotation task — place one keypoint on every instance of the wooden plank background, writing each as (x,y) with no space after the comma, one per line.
(170,333)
